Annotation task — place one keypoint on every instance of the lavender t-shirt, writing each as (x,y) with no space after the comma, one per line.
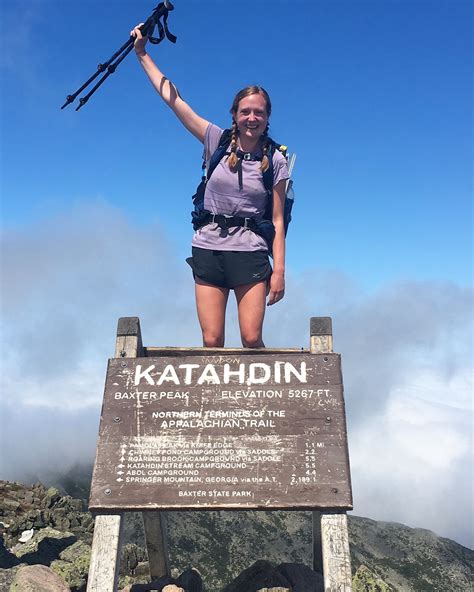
(223,196)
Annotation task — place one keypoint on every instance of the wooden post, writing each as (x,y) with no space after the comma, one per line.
(105,556)
(129,344)
(331,554)
(106,543)
(129,338)
(336,552)
(156,544)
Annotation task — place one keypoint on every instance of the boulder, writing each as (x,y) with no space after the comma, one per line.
(7,576)
(37,578)
(39,507)
(76,580)
(73,565)
(131,556)
(45,546)
(141,575)
(51,497)
(365,580)
(28,520)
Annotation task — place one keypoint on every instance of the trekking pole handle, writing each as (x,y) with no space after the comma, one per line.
(161,9)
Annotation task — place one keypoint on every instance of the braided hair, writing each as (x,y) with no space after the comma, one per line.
(232,159)
(265,146)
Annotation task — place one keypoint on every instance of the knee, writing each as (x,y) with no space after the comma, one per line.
(252,339)
(211,339)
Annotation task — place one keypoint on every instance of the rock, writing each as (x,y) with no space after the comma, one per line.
(30,519)
(11,505)
(301,577)
(78,553)
(73,565)
(7,576)
(38,507)
(45,546)
(29,497)
(131,556)
(51,498)
(260,575)
(61,518)
(75,579)
(365,580)
(70,504)
(141,575)
(37,578)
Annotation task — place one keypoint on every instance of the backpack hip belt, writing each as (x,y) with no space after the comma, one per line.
(226,221)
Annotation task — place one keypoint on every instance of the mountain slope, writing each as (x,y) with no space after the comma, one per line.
(385,556)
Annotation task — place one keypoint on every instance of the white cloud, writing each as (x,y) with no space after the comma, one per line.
(406,350)
(412,464)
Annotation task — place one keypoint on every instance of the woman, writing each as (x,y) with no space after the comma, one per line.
(232,258)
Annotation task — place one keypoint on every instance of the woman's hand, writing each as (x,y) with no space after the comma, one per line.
(277,287)
(140,40)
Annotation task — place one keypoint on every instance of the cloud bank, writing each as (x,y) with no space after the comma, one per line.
(406,350)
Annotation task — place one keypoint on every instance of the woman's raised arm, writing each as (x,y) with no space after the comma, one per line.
(193,122)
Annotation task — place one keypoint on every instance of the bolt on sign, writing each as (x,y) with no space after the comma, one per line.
(262,431)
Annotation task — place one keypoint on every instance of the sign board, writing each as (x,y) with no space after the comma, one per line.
(263,431)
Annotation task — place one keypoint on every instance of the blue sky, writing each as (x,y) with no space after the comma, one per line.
(374,97)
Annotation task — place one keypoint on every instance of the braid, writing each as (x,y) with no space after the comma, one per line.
(232,158)
(265,145)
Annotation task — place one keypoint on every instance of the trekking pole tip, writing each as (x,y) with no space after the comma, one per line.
(69,100)
(82,102)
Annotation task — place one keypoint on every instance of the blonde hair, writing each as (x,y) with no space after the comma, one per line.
(233,159)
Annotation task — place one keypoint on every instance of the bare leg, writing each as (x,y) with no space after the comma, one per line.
(211,302)
(251,305)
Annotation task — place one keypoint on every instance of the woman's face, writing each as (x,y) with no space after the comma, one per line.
(251,117)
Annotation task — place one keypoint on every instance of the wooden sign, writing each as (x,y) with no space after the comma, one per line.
(264,431)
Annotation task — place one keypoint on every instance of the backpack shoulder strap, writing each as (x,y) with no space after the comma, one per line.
(224,142)
(268,174)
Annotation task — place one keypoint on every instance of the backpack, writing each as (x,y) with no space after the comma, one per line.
(264,227)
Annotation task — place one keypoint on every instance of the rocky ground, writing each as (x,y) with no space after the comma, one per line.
(46,538)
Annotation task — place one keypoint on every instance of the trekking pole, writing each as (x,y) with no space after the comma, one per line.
(109,67)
